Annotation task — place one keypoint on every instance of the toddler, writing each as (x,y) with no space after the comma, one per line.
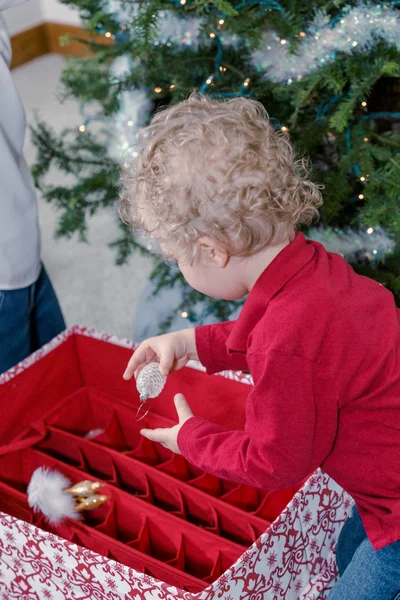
(224,195)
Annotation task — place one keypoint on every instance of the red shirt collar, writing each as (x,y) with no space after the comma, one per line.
(284,266)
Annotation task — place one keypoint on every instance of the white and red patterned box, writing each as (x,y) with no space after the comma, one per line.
(168,530)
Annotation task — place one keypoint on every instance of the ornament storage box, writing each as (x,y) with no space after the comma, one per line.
(168,530)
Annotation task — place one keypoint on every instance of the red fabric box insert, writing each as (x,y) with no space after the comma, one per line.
(164,517)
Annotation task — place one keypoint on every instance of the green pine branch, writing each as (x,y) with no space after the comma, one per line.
(323,112)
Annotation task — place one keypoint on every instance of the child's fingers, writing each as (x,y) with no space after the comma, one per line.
(181,362)
(156,435)
(133,364)
(141,356)
(182,408)
(150,357)
(167,360)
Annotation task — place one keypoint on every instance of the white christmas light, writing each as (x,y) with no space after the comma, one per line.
(352,242)
(360,28)
(134,107)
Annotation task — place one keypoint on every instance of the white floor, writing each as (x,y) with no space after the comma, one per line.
(92,290)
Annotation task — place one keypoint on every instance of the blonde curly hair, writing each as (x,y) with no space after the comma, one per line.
(217,169)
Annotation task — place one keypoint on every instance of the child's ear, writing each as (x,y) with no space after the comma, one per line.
(213,252)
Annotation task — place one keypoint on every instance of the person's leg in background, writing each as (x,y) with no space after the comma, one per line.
(365,574)
(29,318)
(15,334)
(46,319)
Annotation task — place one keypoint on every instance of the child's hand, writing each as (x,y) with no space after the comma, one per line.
(172,350)
(169,437)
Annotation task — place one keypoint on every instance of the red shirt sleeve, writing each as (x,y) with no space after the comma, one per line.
(212,351)
(291,423)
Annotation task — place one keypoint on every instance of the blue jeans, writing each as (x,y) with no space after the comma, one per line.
(29,318)
(365,574)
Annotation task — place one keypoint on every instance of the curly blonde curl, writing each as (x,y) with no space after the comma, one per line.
(217,169)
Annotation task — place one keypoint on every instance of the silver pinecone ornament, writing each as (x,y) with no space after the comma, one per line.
(150,382)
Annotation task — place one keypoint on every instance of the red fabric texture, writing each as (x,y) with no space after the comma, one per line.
(36,390)
(166,517)
(323,346)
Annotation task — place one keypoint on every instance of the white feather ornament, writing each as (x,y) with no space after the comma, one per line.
(46,494)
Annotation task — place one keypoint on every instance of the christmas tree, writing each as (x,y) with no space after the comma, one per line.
(326,71)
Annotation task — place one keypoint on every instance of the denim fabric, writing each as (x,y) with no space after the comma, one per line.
(29,317)
(365,574)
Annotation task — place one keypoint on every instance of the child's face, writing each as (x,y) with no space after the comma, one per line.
(215,274)
(213,281)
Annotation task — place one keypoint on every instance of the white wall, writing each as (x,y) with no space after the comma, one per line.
(55,12)
(24,16)
(31,13)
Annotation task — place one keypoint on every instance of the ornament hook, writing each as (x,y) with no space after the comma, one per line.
(144,404)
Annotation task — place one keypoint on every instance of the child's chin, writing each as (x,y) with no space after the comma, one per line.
(228,297)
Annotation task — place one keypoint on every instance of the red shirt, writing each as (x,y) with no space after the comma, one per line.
(323,346)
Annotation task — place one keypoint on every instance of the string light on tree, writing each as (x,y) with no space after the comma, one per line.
(134,108)
(82,128)
(353,242)
(361,27)
(174,29)
(171,28)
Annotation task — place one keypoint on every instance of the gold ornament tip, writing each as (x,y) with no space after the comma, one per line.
(84,488)
(92,502)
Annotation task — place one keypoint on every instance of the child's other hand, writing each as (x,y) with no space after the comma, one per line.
(169,437)
(172,350)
